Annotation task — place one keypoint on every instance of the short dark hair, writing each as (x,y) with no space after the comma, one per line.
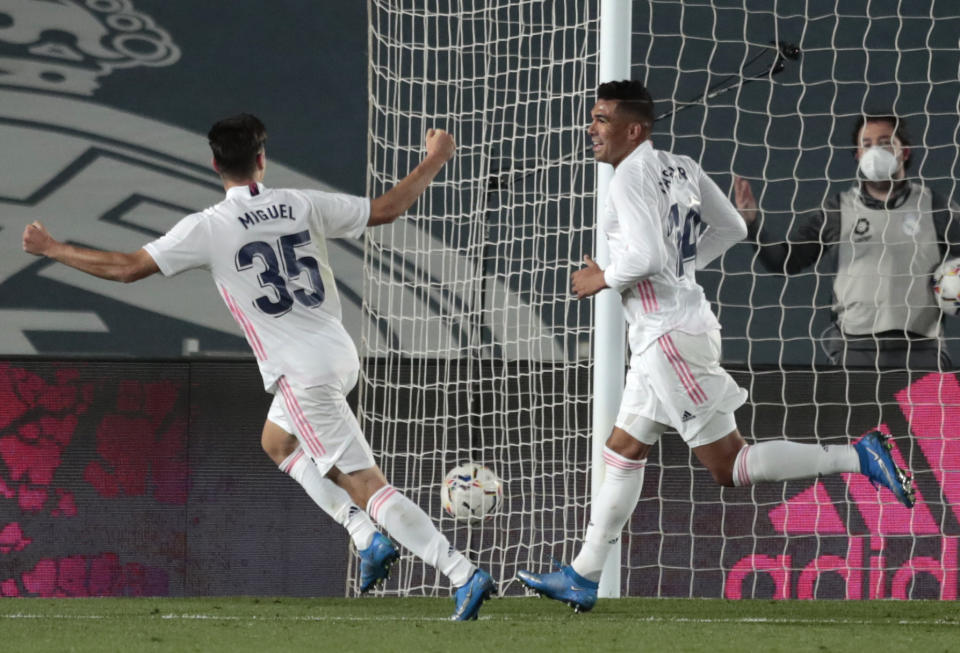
(899,128)
(236,141)
(632,96)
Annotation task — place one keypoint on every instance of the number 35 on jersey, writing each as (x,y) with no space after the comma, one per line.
(279,265)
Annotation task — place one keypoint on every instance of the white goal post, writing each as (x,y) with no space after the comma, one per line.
(474,349)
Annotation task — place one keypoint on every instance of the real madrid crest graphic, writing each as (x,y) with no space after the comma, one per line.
(98,177)
(106,178)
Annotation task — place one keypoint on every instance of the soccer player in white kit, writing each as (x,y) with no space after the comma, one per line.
(664,220)
(266,250)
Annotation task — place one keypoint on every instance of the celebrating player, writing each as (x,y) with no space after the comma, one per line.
(657,204)
(266,249)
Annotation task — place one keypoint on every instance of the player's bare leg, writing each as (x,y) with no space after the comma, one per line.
(719,457)
(376,552)
(627,446)
(409,525)
(284,449)
(277,443)
(731,461)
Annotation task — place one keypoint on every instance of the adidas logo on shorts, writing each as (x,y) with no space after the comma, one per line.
(687,416)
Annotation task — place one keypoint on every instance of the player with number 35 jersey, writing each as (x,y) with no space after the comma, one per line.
(266,249)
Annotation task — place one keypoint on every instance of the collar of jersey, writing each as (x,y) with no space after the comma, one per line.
(242,191)
(645,146)
(901,191)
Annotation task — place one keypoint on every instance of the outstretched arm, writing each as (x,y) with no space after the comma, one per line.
(809,234)
(114,266)
(392,204)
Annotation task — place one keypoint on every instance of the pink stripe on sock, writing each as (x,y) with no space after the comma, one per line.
(292,460)
(743,478)
(615,460)
(378,499)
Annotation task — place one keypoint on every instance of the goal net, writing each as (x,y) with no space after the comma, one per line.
(474,350)
(799,76)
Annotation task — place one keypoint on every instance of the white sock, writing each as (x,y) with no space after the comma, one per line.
(412,528)
(780,460)
(612,508)
(331,498)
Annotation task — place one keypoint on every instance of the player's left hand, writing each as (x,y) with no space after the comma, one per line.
(588,281)
(744,199)
(36,239)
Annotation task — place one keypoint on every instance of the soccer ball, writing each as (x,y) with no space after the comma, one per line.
(471,492)
(946,286)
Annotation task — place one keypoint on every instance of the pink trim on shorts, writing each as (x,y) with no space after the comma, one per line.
(647,296)
(694,391)
(615,460)
(292,460)
(245,324)
(304,428)
(378,499)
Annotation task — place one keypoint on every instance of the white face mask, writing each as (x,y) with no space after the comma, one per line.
(879,164)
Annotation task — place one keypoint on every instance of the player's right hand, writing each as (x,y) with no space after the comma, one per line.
(744,199)
(36,238)
(440,143)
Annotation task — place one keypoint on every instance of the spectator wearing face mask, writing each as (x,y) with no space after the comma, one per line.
(883,237)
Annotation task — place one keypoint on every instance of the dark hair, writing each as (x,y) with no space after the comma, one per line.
(632,97)
(899,129)
(235,142)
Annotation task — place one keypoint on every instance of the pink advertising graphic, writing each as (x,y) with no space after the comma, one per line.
(115,440)
(147,479)
(931,407)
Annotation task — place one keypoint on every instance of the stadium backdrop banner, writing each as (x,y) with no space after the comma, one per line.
(146,478)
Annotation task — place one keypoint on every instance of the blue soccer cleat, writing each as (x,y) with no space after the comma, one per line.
(471,596)
(564,585)
(375,561)
(877,464)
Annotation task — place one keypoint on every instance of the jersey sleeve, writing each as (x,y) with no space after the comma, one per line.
(339,214)
(810,234)
(946,220)
(639,205)
(185,247)
(725,227)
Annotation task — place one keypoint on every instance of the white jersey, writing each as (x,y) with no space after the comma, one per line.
(657,205)
(266,249)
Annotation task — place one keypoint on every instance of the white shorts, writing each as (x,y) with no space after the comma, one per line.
(678,381)
(322,420)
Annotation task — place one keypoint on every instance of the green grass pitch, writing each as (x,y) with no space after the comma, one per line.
(509,624)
